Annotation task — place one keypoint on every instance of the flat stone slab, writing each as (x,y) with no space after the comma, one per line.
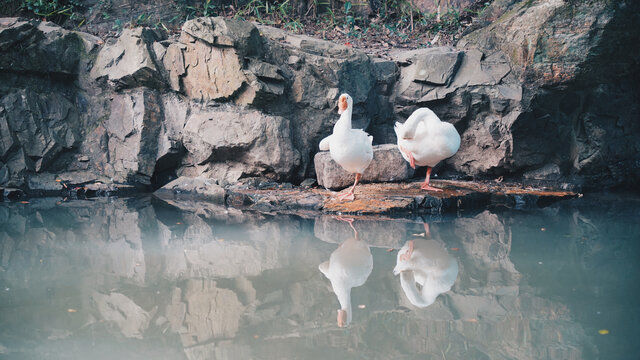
(397,198)
(387,166)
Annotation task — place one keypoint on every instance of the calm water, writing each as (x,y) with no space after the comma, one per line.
(144,279)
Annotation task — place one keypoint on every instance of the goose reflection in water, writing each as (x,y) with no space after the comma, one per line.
(426,269)
(348,266)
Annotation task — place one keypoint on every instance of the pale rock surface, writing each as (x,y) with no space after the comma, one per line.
(387,165)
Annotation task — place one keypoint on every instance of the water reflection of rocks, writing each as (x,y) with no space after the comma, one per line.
(220,283)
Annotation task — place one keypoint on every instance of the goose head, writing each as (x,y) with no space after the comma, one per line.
(344,102)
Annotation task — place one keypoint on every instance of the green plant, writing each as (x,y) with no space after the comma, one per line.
(54,10)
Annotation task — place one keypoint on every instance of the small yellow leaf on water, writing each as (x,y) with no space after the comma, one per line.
(58,180)
(603,331)
(72,310)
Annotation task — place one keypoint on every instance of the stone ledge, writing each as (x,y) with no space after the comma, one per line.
(398,198)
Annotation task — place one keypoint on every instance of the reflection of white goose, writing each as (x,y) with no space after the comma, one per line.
(426,270)
(348,266)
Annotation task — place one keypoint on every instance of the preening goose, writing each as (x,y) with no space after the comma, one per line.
(425,140)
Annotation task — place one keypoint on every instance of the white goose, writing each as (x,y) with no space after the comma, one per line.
(351,148)
(426,263)
(348,266)
(425,140)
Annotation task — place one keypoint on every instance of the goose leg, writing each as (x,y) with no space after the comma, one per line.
(349,195)
(425,184)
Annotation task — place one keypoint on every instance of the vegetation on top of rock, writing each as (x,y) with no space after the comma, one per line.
(375,24)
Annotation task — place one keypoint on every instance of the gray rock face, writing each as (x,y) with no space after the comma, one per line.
(39,47)
(387,165)
(572,59)
(262,144)
(162,115)
(133,128)
(36,129)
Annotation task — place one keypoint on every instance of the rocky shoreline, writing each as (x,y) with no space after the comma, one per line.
(227,101)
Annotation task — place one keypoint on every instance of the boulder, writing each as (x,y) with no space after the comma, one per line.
(222,32)
(260,143)
(211,73)
(209,63)
(433,74)
(39,47)
(387,165)
(128,61)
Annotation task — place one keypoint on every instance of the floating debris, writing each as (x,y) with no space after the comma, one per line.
(603,331)
(362,306)
(72,310)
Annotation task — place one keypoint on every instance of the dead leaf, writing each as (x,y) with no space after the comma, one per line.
(72,310)
(455,249)
(390,250)
(603,331)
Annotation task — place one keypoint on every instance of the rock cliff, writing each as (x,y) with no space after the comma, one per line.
(547,90)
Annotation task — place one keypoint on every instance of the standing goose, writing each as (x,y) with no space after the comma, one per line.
(425,140)
(351,148)
(348,266)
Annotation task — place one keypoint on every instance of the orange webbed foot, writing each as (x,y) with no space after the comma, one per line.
(429,187)
(350,196)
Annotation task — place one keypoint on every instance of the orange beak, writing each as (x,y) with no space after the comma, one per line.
(342,104)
